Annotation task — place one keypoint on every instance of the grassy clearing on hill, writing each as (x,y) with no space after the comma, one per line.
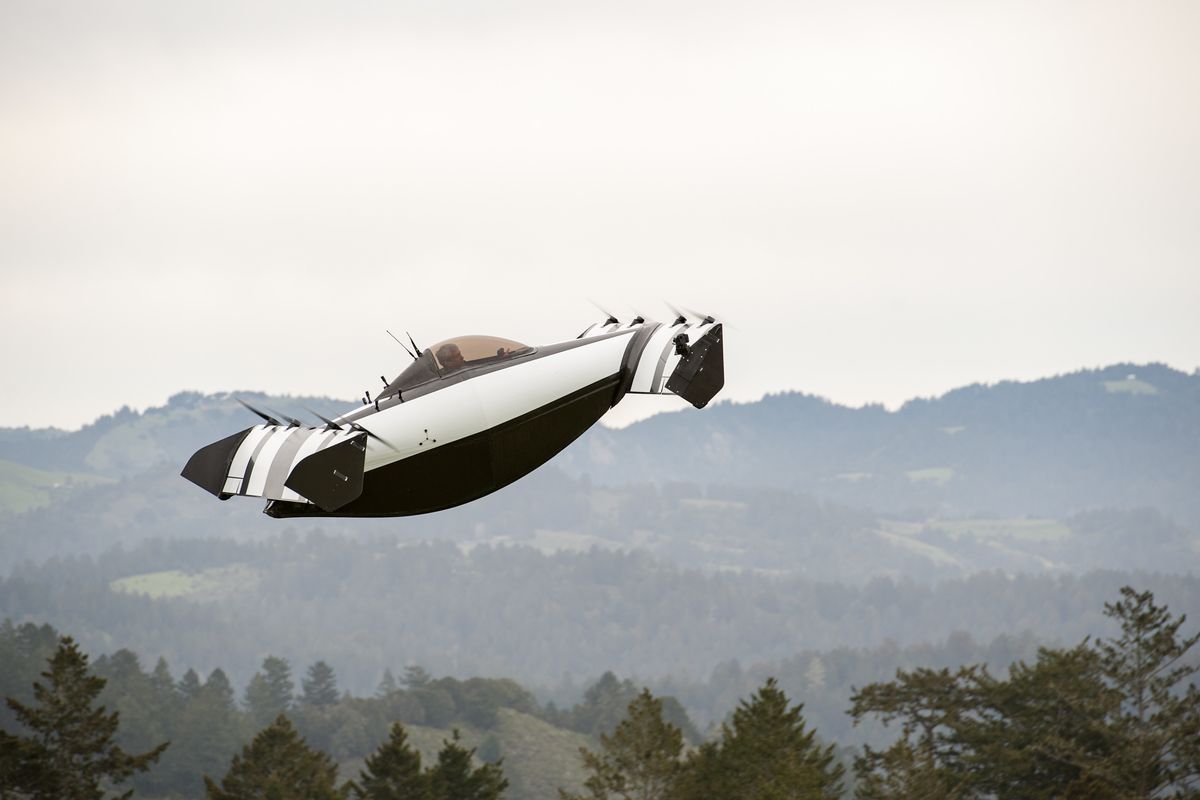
(1020,528)
(209,583)
(938,476)
(24,488)
(1130,385)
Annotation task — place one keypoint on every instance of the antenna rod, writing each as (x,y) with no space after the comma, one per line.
(414,357)
(414,344)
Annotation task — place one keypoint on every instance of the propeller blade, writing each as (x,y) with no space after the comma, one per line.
(330,424)
(611,316)
(710,318)
(269,419)
(356,426)
(292,421)
(680,317)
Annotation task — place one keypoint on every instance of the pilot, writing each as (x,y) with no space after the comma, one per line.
(450,357)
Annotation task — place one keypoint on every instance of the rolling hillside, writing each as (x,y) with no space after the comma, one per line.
(1096,469)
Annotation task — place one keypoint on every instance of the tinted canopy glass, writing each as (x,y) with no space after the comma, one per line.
(420,371)
(469,351)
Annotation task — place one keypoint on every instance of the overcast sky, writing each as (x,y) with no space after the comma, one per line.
(885,199)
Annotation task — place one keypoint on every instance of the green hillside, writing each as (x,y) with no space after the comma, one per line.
(24,488)
(205,584)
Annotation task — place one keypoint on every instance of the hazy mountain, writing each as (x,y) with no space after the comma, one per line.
(785,535)
(1096,469)
(1125,436)
(128,442)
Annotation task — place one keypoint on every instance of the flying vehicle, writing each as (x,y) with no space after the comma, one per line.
(468,416)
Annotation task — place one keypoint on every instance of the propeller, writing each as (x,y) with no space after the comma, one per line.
(680,317)
(704,318)
(612,318)
(292,421)
(683,314)
(329,424)
(269,419)
(357,427)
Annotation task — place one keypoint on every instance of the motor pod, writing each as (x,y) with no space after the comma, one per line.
(332,477)
(700,373)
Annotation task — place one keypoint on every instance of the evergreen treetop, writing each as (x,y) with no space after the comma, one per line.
(454,777)
(320,686)
(640,760)
(393,772)
(278,765)
(70,752)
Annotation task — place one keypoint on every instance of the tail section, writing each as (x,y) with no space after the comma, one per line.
(278,462)
(700,372)
(684,358)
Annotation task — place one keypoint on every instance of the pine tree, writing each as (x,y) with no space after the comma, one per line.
(393,772)
(270,691)
(208,734)
(1115,719)
(189,685)
(766,753)
(639,761)
(166,697)
(161,676)
(387,685)
(908,770)
(927,759)
(454,778)
(1154,728)
(1013,738)
(219,690)
(604,705)
(278,765)
(415,677)
(320,686)
(70,753)
(279,680)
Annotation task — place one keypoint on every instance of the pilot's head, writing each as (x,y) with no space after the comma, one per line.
(449,356)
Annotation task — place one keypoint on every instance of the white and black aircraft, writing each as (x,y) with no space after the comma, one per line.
(469,416)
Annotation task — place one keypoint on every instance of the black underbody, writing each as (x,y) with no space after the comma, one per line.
(470,468)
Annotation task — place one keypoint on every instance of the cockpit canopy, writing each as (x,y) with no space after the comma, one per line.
(451,355)
(469,351)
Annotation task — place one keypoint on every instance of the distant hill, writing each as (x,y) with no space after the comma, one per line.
(1096,469)
(128,442)
(23,488)
(1125,436)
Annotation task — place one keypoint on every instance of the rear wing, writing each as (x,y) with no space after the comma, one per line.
(683,358)
(283,462)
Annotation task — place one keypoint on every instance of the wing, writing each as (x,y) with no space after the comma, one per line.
(277,462)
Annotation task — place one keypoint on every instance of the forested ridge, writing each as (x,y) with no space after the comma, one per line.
(1092,470)
(872,566)
(517,611)
(1114,717)
(1123,436)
